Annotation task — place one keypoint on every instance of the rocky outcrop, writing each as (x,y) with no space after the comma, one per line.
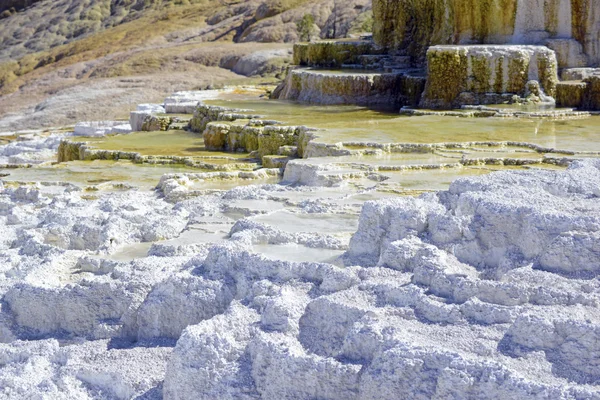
(204,114)
(413,26)
(70,151)
(155,123)
(269,140)
(136,119)
(475,52)
(74,151)
(147,121)
(29,152)
(488,74)
(482,221)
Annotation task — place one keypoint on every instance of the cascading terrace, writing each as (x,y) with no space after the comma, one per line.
(446,54)
(223,245)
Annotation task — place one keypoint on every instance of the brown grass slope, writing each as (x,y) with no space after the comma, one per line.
(55,47)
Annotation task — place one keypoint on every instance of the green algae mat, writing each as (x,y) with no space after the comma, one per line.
(160,143)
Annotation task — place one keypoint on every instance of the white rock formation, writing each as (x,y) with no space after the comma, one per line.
(30,150)
(136,119)
(488,290)
(151,108)
(183,107)
(100,128)
(416,320)
(91,370)
(208,359)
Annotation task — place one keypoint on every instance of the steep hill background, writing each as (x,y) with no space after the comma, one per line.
(67,60)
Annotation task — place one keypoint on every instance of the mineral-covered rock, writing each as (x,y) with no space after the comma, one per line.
(333,54)
(501,221)
(151,108)
(212,286)
(486,290)
(413,26)
(33,151)
(136,119)
(592,94)
(155,123)
(209,359)
(366,88)
(571,94)
(101,128)
(458,75)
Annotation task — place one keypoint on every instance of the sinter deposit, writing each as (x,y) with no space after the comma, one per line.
(486,290)
(232,281)
(224,246)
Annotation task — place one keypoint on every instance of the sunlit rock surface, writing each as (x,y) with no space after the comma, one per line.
(101,128)
(335,281)
(486,290)
(459,75)
(474,52)
(34,151)
(415,25)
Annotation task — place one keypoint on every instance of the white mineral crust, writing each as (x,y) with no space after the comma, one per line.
(100,128)
(30,150)
(489,290)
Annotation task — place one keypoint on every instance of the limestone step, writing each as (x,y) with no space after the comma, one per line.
(570,93)
(470,88)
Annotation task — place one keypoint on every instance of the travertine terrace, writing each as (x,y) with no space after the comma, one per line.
(331,281)
(224,245)
(468,53)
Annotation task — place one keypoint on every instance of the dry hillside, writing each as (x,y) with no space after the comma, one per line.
(67,60)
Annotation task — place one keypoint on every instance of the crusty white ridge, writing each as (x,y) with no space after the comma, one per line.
(488,290)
